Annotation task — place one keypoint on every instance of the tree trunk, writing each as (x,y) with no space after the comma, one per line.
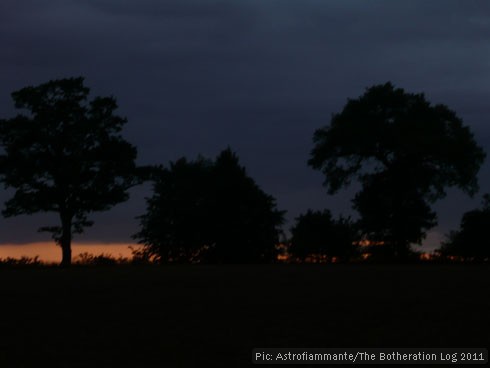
(401,250)
(65,240)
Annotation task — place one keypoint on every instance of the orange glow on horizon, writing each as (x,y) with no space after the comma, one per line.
(50,252)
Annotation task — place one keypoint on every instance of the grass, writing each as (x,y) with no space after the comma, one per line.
(188,316)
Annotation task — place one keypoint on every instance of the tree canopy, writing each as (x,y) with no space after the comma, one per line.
(317,233)
(209,211)
(471,241)
(405,152)
(65,154)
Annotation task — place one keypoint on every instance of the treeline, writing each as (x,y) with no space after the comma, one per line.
(64,153)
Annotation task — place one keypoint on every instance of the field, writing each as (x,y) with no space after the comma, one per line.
(189,316)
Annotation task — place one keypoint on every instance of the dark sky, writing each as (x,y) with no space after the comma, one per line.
(196,76)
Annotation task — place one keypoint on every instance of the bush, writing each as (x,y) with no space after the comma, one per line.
(87,259)
(23,261)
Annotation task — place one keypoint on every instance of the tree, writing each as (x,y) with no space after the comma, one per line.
(209,211)
(66,155)
(404,152)
(318,233)
(175,227)
(471,241)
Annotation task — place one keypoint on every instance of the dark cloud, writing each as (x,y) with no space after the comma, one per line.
(194,76)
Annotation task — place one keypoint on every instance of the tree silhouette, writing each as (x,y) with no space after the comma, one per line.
(175,227)
(209,211)
(404,152)
(471,242)
(66,155)
(318,233)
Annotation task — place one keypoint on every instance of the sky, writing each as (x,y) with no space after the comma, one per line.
(260,76)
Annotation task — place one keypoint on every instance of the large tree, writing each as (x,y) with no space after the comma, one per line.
(405,152)
(65,154)
(209,211)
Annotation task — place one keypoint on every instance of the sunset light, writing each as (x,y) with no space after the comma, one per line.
(49,252)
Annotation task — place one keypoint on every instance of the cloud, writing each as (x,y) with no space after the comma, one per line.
(197,75)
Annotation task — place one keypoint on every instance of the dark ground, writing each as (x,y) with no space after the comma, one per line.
(190,316)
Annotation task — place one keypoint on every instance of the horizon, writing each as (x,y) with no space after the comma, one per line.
(50,252)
